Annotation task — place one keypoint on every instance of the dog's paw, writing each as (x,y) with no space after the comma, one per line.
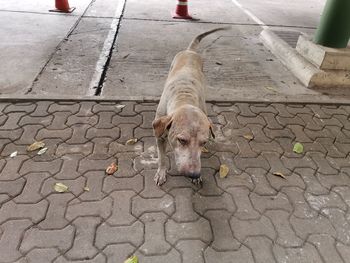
(160,177)
(197,181)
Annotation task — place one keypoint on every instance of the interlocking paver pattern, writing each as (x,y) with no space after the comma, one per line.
(251,215)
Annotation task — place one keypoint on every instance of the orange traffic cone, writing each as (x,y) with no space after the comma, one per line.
(181,11)
(62,6)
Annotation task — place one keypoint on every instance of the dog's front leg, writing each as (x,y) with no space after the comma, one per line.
(160,176)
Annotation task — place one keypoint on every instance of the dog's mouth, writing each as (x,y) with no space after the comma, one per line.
(195,178)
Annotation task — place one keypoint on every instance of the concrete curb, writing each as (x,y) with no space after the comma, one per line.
(299,66)
(305,71)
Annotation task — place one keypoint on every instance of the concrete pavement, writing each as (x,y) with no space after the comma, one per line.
(237,66)
(296,13)
(29,37)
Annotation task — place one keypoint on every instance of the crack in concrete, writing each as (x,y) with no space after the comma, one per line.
(215,22)
(102,64)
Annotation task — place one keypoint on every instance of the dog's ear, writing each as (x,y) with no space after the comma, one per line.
(161,124)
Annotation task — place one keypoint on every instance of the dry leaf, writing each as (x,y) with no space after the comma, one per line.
(35,146)
(248,137)
(298,148)
(124,57)
(279,174)
(42,151)
(223,171)
(111,169)
(61,188)
(218,63)
(14,154)
(87,189)
(120,106)
(132,259)
(204,150)
(271,88)
(131,141)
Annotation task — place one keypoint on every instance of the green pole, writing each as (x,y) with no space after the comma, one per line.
(334,28)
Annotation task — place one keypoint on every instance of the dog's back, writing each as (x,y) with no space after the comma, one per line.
(186,83)
(189,59)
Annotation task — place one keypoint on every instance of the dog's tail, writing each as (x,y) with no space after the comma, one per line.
(195,42)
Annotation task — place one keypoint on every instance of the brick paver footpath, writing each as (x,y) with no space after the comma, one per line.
(251,215)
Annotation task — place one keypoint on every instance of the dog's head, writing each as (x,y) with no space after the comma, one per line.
(188,130)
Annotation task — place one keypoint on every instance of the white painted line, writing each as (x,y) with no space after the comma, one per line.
(107,45)
(250,14)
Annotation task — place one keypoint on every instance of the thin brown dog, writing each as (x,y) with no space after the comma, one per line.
(181,117)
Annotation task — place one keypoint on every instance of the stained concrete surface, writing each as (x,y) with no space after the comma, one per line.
(297,13)
(24,49)
(236,65)
(223,11)
(41,6)
(44,61)
(72,66)
(102,8)
(27,50)
(247,70)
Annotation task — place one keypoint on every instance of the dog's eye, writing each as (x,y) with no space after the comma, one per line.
(182,141)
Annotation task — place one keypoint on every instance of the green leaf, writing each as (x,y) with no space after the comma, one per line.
(132,259)
(298,148)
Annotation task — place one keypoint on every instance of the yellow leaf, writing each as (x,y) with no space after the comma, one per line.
(35,146)
(279,174)
(61,188)
(204,150)
(131,141)
(223,171)
(87,189)
(248,137)
(112,168)
(132,259)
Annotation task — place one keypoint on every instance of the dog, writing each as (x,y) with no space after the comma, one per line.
(181,116)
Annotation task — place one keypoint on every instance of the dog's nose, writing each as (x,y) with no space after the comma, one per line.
(194,175)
